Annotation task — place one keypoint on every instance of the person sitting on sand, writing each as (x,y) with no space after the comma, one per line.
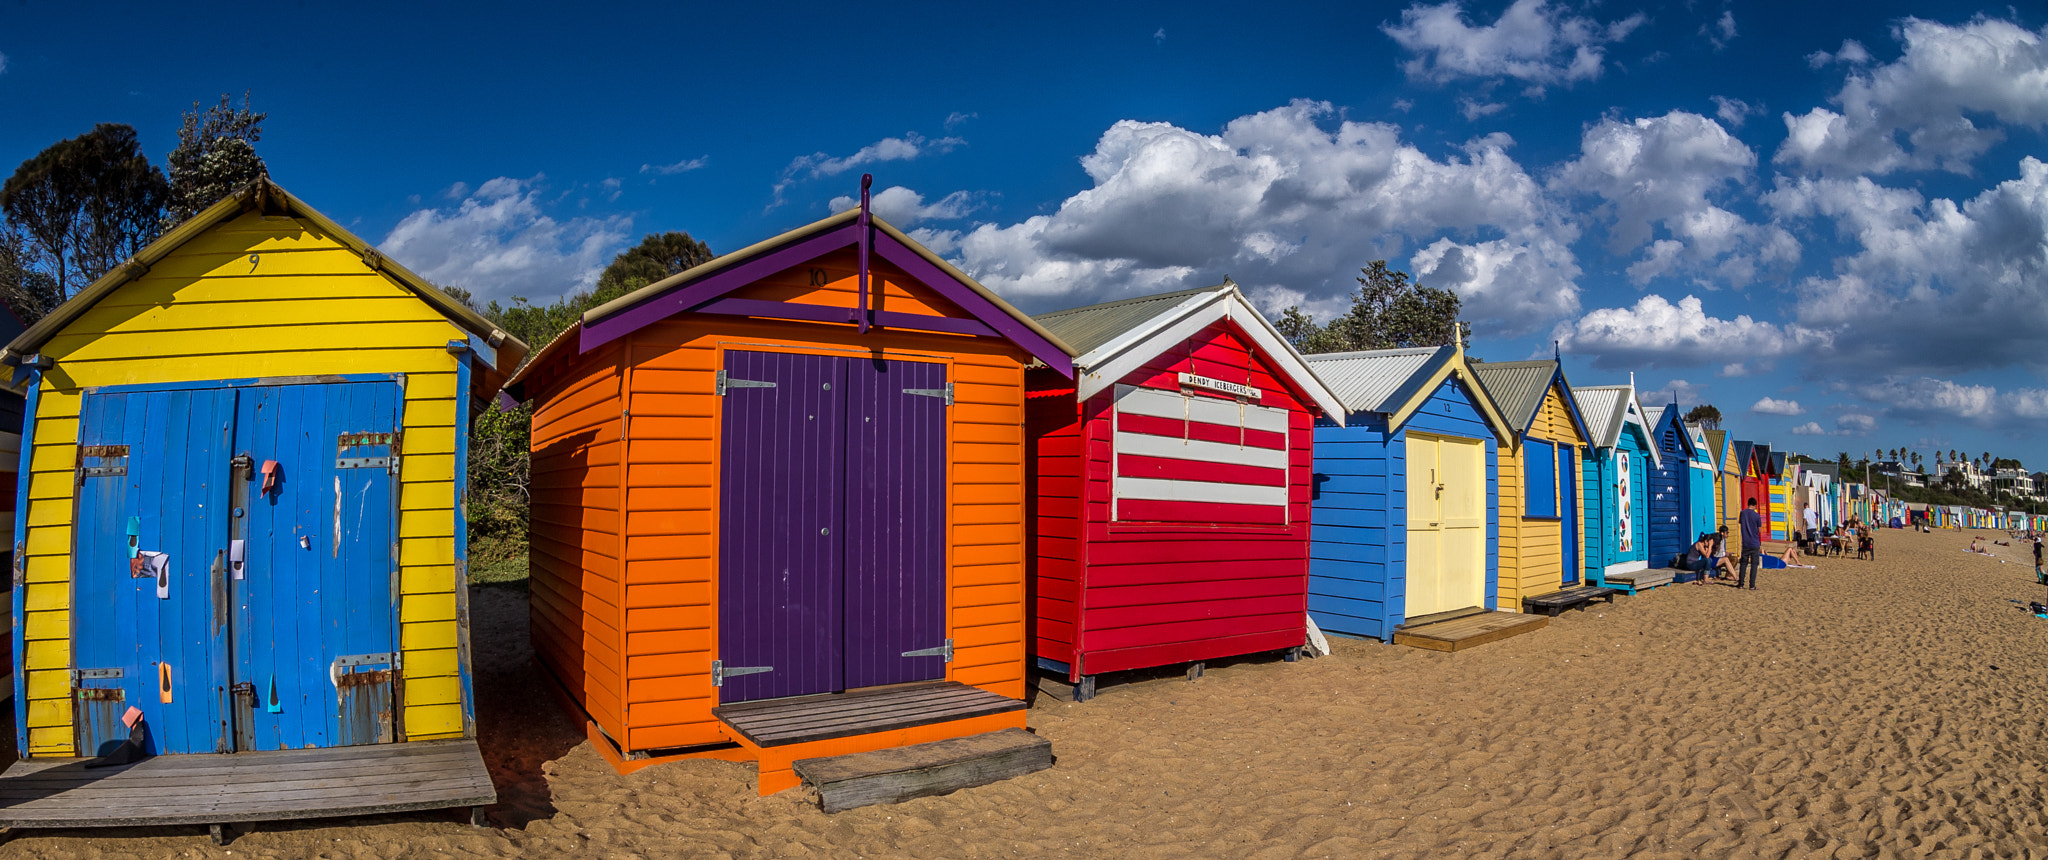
(1977,545)
(1700,558)
(1724,567)
(1794,551)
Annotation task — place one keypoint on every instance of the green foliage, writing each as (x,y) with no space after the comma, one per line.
(658,256)
(26,292)
(1387,312)
(1705,415)
(215,157)
(500,496)
(86,204)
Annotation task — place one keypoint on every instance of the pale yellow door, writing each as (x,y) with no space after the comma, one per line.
(1463,508)
(1426,586)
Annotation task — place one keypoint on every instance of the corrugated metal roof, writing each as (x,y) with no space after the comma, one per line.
(1086,328)
(1606,409)
(1517,387)
(1653,416)
(1367,380)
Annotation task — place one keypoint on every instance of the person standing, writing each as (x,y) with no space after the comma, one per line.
(1812,524)
(1752,525)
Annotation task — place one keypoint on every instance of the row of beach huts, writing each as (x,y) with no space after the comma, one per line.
(824,504)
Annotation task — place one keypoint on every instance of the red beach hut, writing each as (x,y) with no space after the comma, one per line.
(1172,478)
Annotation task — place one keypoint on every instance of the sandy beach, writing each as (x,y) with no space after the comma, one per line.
(1886,708)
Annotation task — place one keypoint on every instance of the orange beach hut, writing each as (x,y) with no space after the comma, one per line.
(779,504)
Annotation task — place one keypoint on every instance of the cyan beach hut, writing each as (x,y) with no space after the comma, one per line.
(1406,519)
(1700,477)
(1616,481)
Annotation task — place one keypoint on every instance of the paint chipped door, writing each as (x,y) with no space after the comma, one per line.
(152,515)
(315,644)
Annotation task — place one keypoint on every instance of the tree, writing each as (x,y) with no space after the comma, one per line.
(86,203)
(1843,461)
(1296,327)
(1705,415)
(658,256)
(215,157)
(26,292)
(1387,312)
(1953,480)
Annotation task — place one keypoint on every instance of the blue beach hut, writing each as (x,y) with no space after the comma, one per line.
(1672,489)
(1405,517)
(1700,475)
(1617,483)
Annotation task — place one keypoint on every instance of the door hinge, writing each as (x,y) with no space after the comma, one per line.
(113,459)
(945,393)
(945,651)
(725,381)
(720,671)
(95,675)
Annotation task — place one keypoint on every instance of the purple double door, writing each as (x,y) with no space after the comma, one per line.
(832,524)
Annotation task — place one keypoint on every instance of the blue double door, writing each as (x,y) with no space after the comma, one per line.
(235,567)
(832,525)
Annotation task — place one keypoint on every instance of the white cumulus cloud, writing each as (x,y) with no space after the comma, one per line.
(1290,209)
(1774,406)
(499,242)
(1933,401)
(906,208)
(1657,333)
(1921,111)
(1659,179)
(1964,284)
(1530,42)
(1810,428)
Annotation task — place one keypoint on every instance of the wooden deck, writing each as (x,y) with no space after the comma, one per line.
(1638,581)
(804,719)
(1557,601)
(251,786)
(1468,631)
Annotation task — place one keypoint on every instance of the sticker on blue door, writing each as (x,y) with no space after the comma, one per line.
(832,524)
(235,566)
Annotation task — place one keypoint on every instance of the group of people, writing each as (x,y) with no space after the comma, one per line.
(1709,554)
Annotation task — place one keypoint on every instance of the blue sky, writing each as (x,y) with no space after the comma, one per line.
(1829,220)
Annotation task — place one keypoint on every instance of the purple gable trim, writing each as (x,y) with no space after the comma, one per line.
(693,295)
(830,314)
(1008,326)
(712,286)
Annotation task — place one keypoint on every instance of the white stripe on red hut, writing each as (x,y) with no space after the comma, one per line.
(1193,457)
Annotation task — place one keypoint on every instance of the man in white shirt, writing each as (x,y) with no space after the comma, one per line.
(1812,525)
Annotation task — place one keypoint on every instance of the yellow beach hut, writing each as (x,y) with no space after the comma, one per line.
(238,531)
(1540,539)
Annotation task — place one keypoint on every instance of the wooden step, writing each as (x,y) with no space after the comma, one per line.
(1557,601)
(923,770)
(1470,631)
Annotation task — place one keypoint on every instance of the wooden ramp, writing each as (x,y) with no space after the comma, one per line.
(251,786)
(1638,581)
(923,770)
(1467,631)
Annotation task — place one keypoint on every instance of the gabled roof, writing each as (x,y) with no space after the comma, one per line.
(1609,411)
(1123,336)
(1724,450)
(705,284)
(266,196)
(1089,328)
(1367,380)
(1744,450)
(1518,388)
(1396,382)
(1699,443)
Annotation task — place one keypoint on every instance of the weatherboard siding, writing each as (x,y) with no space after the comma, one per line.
(651,570)
(1532,551)
(256,297)
(1151,594)
(1358,552)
